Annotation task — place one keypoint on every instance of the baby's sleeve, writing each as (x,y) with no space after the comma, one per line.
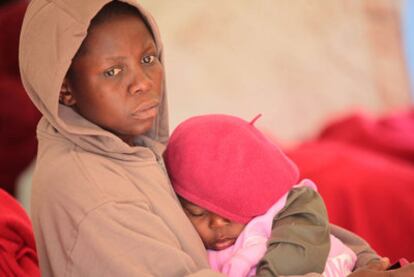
(362,249)
(299,241)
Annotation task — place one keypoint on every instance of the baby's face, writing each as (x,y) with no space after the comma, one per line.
(116,80)
(217,232)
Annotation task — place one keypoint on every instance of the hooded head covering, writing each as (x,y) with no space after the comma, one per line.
(224,164)
(99,206)
(52,32)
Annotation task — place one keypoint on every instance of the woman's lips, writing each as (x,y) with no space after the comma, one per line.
(146,110)
(222,244)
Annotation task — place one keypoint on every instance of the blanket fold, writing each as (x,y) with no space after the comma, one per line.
(17,246)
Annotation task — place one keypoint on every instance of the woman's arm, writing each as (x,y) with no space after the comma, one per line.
(128,239)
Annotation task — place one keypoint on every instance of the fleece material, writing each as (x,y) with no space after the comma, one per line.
(17,245)
(99,206)
(237,173)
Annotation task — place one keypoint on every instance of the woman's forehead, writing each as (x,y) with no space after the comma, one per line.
(116,35)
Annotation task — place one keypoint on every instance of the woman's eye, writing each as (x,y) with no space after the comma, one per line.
(112,72)
(148,59)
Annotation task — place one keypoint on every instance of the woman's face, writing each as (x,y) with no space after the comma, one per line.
(217,232)
(116,79)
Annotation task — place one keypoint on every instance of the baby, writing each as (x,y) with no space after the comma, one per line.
(236,187)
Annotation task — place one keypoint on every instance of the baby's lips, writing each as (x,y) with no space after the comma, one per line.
(224,243)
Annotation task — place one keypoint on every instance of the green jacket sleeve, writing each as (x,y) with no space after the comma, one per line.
(361,248)
(299,240)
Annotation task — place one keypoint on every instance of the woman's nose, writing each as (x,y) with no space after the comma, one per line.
(140,82)
(217,221)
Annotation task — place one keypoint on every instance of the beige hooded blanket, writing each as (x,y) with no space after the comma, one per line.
(99,206)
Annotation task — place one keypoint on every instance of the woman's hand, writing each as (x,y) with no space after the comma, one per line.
(378,264)
(378,268)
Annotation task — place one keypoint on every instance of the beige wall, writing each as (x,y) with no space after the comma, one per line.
(298,62)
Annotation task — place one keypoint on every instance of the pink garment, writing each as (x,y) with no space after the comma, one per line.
(241,258)
(341,259)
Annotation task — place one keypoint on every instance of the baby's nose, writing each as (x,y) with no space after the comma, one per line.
(217,221)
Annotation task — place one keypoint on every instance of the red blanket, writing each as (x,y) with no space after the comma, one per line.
(17,246)
(364,169)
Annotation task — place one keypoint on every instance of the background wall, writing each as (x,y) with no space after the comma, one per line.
(408,38)
(297,62)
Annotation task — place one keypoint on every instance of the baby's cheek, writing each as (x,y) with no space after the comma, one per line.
(206,235)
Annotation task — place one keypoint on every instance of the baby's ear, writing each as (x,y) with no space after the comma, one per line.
(66,97)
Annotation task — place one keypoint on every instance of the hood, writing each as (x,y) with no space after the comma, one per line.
(51,34)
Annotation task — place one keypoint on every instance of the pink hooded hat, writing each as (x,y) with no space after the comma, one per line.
(225,165)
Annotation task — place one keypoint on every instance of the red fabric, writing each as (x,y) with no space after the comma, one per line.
(18,116)
(391,135)
(17,246)
(364,169)
(11,19)
(224,164)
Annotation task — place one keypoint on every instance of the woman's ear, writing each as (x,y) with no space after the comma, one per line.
(66,97)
